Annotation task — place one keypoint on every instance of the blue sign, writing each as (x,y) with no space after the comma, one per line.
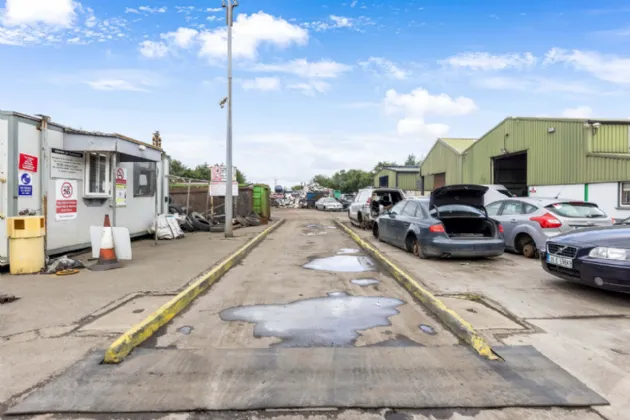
(25,188)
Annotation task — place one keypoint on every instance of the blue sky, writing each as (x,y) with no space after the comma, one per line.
(319,85)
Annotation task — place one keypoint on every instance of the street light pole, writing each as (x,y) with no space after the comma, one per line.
(229,6)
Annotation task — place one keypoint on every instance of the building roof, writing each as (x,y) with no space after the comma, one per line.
(459,144)
(71,130)
(410,169)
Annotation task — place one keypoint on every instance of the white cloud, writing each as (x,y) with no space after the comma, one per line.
(182,37)
(311,87)
(251,31)
(152,49)
(131,10)
(323,69)
(335,22)
(487,61)
(262,84)
(50,12)
(578,112)
(384,67)
(115,84)
(152,10)
(610,68)
(214,9)
(419,103)
(354,3)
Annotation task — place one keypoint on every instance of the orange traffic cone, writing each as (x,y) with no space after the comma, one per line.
(107,256)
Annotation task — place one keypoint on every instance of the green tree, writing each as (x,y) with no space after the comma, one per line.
(240,177)
(177,168)
(411,160)
(297,188)
(323,180)
(379,166)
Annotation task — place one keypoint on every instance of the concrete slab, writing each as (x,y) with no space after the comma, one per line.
(479,315)
(246,379)
(596,351)
(124,317)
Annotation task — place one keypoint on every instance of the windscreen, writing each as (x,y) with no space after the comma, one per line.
(576,210)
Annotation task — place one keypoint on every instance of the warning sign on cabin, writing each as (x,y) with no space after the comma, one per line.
(66,199)
(66,164)
(28,162)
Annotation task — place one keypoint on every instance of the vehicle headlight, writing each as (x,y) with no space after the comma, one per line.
(604,253)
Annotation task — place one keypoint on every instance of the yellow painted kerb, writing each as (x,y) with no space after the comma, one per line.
(145,329)
(463,329)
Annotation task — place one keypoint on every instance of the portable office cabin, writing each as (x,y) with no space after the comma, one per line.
(404,177)
(443,164)
(75,178)
(582,159)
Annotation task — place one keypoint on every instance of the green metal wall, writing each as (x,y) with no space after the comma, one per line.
(407,181)
(441,159)
(386,172)
(429,182)
(553,158)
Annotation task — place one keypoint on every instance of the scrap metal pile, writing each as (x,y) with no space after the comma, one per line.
(304,198)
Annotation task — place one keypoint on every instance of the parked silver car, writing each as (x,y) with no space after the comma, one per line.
(328,204)
(529,222)
(370,202)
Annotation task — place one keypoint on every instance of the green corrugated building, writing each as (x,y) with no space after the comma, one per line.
(583,159)
(443,163)
(407,178)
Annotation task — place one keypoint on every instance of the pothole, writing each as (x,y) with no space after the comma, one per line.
(342,263)
(331,321)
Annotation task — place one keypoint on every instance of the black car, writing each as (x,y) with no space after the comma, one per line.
(598,257)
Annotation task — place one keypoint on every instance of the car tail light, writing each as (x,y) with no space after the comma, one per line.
(369,200)
(438,228)
(547,221)
(500,228)
(613,220)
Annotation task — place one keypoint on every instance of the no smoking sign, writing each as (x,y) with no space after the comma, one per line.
(66,202)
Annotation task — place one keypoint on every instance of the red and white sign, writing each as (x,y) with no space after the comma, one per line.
(28,163)
(121,187)
(66,199)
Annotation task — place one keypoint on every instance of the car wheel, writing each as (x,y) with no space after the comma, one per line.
(529,250)
(414,246)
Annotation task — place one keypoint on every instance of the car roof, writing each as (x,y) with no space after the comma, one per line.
(543,201)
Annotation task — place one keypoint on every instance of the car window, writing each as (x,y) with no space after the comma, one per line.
(457,210)
(576,209)
(410,209)
(493,208)
(398,208)
(512,208)
(529,208)
(421,211)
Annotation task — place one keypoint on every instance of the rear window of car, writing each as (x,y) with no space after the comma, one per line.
(576,210)
(457,210)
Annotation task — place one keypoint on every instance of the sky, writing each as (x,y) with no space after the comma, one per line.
(319,86)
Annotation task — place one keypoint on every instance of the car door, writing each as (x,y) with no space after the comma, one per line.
(511,214)
(388,222)
(403,222)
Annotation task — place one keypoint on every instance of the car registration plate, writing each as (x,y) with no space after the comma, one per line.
(559,261)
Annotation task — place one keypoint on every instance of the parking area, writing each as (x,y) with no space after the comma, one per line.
(584,330)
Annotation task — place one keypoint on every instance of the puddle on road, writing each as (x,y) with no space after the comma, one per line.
(342,263)
(331,321)
(343,251)
(186,330)
(314,226)
(364,282)
(427,329)
(316,233)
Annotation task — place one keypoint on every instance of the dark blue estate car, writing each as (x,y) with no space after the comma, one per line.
(598,257)
(451,223)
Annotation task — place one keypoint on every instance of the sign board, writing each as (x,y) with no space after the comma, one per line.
(66,199)
(28,162)
(25,187)
(218,178)
(66,164)
(121,187)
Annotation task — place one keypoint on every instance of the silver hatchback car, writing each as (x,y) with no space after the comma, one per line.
(529,222)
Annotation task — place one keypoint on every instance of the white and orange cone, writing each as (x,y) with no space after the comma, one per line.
(107,255)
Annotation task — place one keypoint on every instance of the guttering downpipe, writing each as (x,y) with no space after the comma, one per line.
(43,182)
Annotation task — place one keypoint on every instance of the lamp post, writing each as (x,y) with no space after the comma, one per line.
(229,5)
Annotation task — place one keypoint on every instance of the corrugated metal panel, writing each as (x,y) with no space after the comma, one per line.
(611,139)
(442,159)
(428,183)
(459,144)
(407,182)
(385,172)
(557,156)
